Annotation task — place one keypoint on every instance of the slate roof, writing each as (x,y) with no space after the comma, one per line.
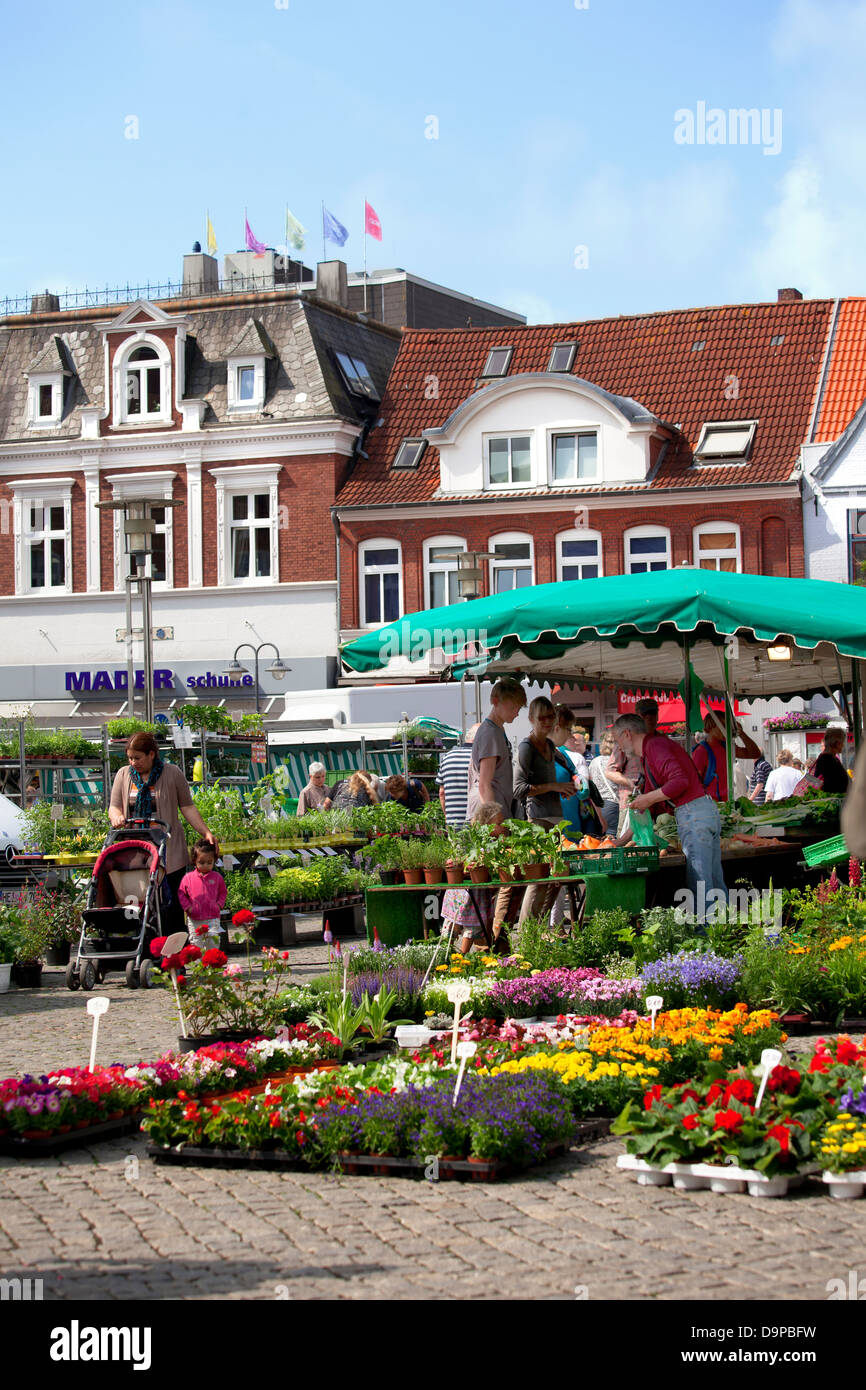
(52,358)
(304,334)
(652,358)
(252,342)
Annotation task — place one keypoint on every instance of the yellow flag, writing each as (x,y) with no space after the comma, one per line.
(211,238)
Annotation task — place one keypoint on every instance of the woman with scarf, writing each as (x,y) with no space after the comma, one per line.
(149,789)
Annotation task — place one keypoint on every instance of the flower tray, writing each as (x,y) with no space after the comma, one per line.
(353,1165)
(225,1158)
(845,1185)
(16,1147)
(692,1177)
(279,1078)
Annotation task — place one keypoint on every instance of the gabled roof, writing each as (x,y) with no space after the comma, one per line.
(252,342)
(845,374)
(651,358)
(838,449)
(52,358)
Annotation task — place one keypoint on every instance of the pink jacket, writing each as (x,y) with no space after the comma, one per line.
(202,895)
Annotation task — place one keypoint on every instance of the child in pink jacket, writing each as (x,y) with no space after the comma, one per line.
(202,895)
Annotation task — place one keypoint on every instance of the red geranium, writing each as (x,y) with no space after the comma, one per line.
(157,944)
(714,1093)
(782,1135)
(651,1096)
(740,1089)
(691,1121)
(730,1120)
(847,1052)
(215,958)
(189,953)
(243,918)
(784,1079)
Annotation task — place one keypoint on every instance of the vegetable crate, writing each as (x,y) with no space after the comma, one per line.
(831,851)
(630,859)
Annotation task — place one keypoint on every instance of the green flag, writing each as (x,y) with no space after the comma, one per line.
(294,232)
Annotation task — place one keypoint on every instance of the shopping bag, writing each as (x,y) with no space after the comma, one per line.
(641,823)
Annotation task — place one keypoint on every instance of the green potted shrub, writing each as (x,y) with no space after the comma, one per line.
(455,871)
(412,859)
(530,847)
(11,938)
(30,950)
(435,854)
(480,853)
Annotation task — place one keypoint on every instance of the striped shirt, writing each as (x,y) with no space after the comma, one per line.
(453,775)
(760,774)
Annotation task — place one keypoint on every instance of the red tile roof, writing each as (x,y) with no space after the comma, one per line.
(650,357)
(845,386)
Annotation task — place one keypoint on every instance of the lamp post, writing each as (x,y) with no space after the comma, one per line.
(276,669)
(138,529)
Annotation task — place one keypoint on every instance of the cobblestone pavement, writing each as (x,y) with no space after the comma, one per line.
(106,1223)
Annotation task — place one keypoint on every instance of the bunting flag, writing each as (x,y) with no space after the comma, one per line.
(251,242)
(372,225)
(332,230)
(211,238)
(294,232)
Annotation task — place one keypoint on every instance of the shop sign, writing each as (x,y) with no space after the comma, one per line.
(92,682)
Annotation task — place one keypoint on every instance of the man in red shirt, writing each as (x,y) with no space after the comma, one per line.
(670,776)
(715,778)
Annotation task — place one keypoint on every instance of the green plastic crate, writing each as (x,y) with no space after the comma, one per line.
(826,852)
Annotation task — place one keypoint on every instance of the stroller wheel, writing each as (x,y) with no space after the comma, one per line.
(132,980)
(144,973)
(87,975)
(72,980)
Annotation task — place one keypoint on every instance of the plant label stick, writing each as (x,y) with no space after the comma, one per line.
(769,1058)
(170,947)
(654,1003)
(465,1050)
(458,993)
(95,1006)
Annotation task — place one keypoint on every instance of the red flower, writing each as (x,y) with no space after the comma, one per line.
(243,918)
(820,1062)
(202,930)
(784,1079)
(214,957)
(847,1051)
(189,953)
(651,1096)
(715,1091)
(157,944)
(741,1089)
(730,1120)
(688,1094)
(691,1121)
(782,1135)
(276,1121)
(300,1136)
(855,873)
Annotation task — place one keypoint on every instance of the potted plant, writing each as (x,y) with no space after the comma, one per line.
(480,850)
(435,854)
(412,858)
(455,871)
(530,848)
(30,951)
(11,934)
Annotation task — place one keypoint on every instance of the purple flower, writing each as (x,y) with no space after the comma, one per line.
(691,977)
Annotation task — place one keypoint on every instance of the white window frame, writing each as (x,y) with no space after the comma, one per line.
(503,563)
(557,347)
(579,533)
(232,482)
(384,543)
(432,567)
(644,533)
(120,414)
(40,492)
(508,486)
(573,432)
(233,384)
(722,427)
(709,528)
(128,486)
(36,421)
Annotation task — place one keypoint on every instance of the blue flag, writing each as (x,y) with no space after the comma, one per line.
(333,230)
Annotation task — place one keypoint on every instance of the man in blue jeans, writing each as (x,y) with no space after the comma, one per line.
(670,776)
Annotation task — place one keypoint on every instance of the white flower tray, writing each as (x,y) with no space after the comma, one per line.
(692,1177)
(846,1185)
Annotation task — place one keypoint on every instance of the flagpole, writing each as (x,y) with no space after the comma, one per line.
(323,229)
(365,258)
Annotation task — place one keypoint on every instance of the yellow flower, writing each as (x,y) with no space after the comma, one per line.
(716,1054)
(441,967)
(428,1013)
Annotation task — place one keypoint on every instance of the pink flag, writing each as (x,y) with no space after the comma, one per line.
(252,244)
(372,225)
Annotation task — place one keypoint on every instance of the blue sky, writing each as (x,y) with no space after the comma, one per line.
(555,131)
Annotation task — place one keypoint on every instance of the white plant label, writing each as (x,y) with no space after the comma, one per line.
(770,1058)
(229,861)
(96,1007)
(654,1003)
(57,813)
(458,993)
(465,1050)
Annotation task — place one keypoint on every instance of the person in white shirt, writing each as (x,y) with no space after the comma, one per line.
(783,779)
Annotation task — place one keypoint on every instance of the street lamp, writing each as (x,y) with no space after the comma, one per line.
(276,668)
(139,527)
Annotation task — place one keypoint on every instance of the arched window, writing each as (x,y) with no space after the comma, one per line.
(513,567)
(142,383)
(381,582)
(440,570)
(647,548)
(578,554)
(717,546)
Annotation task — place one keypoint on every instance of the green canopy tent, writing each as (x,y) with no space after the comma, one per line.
(646,631)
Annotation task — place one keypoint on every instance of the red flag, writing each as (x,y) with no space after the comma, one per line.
(372,225)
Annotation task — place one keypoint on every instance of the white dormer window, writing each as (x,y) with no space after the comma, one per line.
(509,461)
(246,385)
(45,400)
(574,457)
(729,440)
(142,382)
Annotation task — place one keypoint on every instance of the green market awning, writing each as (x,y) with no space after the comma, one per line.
(629,632)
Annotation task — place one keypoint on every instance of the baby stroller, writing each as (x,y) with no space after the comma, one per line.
(124,907)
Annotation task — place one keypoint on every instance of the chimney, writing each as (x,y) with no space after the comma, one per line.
(44,303)
(332,282)
(200,273)
(788,296)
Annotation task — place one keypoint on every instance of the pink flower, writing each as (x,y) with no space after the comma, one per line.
(233,970)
